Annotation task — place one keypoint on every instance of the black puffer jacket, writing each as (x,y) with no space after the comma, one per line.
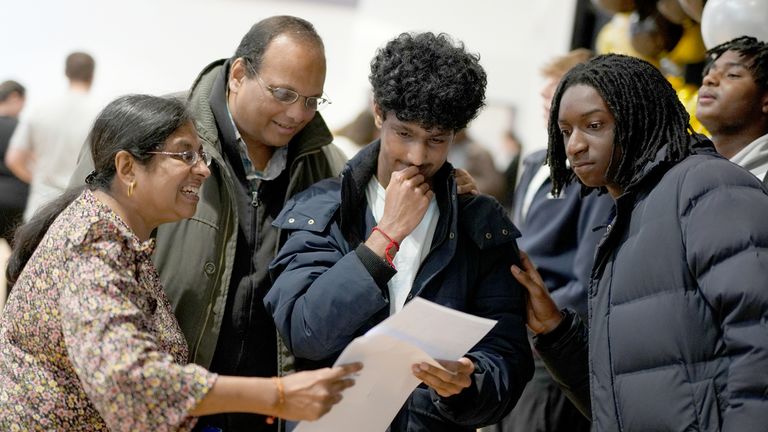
(678,306)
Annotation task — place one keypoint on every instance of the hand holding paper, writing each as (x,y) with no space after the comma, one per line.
(419,333)
(451,379)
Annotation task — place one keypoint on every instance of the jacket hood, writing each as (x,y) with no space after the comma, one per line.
(660,164)
(754,156)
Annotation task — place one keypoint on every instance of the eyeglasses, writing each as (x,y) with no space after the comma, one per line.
(288,96)
(189,157)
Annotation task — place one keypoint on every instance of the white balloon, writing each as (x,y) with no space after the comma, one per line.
(723,20)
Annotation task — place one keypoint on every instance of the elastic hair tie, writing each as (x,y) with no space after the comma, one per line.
(90,178)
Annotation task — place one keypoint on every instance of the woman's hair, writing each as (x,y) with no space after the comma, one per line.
(648,116)
(134,123)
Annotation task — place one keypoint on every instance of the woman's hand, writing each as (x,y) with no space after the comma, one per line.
(542,313)
(465,183)
(309,395)
(456,377)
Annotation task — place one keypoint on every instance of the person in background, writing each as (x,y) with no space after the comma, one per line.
(44,147)
(553,72)
(512,145)
(356,134)
(13,191)
(470,155)
(733,103)
(676,339)
(393,227)
(88,340)
(560,234)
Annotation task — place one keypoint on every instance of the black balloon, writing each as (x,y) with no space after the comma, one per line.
(693,8)
(615,6)
(672,11)
(653,34)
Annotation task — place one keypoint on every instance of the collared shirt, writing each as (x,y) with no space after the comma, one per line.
(275,166)
(413,249)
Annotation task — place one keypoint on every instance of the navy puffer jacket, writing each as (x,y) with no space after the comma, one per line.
(325,294)
(678,305)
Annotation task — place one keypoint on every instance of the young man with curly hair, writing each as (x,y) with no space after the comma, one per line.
(393,227)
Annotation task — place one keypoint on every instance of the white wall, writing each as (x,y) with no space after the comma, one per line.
(158,46)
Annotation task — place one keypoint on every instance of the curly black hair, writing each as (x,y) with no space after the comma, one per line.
(427,79)
(750,48)
(648,116)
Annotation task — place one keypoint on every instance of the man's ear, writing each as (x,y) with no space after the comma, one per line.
(236,74)
(125,166)
(378,115)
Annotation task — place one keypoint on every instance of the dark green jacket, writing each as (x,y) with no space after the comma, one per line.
(195,257)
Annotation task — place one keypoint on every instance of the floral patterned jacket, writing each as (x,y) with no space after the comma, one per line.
(88,340)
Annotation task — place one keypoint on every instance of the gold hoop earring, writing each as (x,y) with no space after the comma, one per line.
(130,187)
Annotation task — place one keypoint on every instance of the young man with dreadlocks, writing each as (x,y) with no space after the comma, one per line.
(733,103)
(392,228)
(677,298)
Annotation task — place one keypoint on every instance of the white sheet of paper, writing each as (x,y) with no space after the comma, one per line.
(420,332)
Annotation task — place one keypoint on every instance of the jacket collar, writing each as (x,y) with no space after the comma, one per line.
(699,144)
(482,218)
(645,182)
(98,221)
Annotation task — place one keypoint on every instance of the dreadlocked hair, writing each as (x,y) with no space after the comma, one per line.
(750,48)
(648,116)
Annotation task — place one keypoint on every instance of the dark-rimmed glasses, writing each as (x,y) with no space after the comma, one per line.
(288,96)
(189,157)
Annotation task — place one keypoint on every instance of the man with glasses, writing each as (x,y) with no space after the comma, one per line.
(256,115)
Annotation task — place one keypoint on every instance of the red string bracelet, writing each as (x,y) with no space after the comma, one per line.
(389,246)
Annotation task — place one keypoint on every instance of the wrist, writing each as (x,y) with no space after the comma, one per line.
(392,232)
(278,401)
(556,333)
(553,323)
(391,248)
(280,392)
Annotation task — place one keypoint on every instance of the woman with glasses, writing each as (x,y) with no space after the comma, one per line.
(88,340)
